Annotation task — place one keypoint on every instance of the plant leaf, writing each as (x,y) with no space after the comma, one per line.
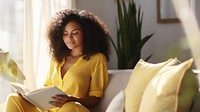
(129,32)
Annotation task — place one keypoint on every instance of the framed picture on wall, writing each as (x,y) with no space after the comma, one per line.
(166,12)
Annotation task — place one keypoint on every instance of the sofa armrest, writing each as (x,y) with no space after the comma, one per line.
(118,80)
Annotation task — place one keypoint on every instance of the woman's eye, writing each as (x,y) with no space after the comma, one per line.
(65,33)
(75,33)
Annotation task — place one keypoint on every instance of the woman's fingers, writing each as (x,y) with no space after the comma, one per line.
(56,103)
(19,93)
(59,100)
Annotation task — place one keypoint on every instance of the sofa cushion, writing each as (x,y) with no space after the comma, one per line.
(188,90)
(162,93)
(118,80)
(140,77)
(196,103)
(117,103)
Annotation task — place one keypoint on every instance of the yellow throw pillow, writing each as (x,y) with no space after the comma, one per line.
(140,77)
(161,94)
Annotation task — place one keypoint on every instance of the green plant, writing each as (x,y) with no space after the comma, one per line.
(129,40)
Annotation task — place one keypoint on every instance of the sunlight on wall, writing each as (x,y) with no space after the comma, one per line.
(186,14)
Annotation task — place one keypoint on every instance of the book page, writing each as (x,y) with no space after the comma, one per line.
(43,96)
(39,89)
(22,89)
(34,103)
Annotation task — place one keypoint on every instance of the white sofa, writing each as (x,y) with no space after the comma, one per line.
(118,80)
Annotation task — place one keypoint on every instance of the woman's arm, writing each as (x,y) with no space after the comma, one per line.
(88,102)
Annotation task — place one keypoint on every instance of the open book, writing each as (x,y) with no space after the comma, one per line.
(39,97)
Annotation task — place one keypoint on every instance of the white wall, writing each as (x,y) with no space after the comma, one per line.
(164,44)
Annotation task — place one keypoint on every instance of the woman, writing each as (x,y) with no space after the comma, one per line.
(79,46)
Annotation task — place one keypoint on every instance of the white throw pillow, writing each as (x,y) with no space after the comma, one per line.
(117,103)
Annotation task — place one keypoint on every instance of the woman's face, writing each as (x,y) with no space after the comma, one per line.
(73,35)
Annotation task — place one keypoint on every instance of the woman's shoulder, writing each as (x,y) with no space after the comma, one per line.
(98,56)
(97,59)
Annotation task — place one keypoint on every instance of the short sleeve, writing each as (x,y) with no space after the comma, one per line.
(99,79)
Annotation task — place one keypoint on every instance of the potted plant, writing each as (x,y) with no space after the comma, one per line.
(129,38)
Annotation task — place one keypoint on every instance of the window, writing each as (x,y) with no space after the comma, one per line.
(11,28)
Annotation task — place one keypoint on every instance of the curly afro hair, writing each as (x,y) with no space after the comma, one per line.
(96,37)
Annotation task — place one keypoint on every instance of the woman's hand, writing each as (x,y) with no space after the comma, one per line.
(60,100)
(19,94)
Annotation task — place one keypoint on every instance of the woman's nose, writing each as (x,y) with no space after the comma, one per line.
(70,36)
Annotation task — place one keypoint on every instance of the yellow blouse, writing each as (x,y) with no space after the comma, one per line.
(84,78)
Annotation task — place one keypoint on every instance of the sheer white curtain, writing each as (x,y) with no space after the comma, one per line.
(35,54)
(188,16)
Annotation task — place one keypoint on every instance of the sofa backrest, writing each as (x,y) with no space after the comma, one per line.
(118,80)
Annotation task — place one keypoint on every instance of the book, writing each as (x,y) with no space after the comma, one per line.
(39,97)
